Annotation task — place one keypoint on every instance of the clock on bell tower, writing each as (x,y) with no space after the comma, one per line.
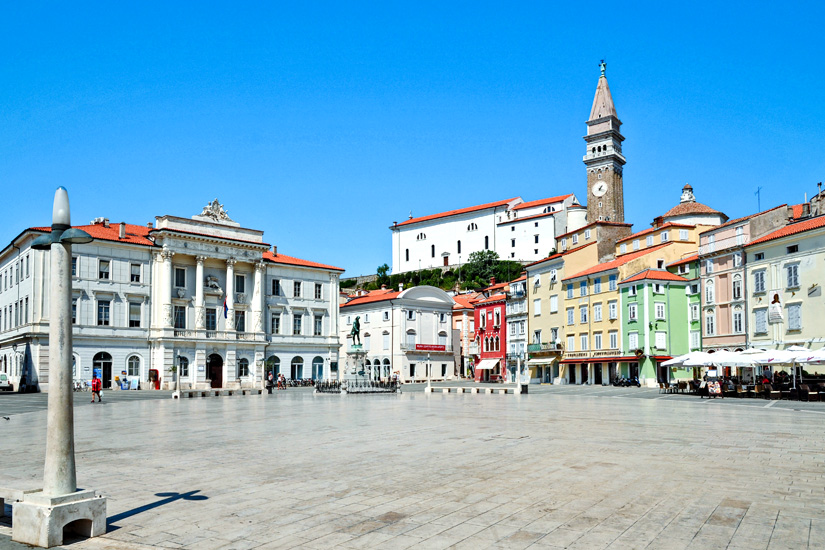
(603,159)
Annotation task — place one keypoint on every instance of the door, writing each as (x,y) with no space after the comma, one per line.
(214,366)
(446,260)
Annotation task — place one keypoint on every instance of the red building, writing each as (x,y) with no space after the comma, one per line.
(490,345)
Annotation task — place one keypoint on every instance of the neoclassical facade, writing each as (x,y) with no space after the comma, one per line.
(200,296)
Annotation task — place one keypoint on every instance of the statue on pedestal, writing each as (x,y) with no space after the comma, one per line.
(355,333)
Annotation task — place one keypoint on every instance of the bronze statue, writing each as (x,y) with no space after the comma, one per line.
(356,331)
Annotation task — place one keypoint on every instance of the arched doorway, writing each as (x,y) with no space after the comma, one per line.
(318,368)
(387,369)
(214,368)
(297,368)
(273,365)
(102,367)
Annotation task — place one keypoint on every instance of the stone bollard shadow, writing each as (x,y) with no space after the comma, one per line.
(167,499)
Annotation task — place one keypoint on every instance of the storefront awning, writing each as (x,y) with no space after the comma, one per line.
(487,364)
(542,361)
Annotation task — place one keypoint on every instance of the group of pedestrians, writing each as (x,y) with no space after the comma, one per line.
(278,382)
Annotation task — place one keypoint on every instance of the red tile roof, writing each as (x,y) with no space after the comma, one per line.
(618,262)
(652,229)
(491,299)
(135,234)
(455,212)
(526,218)
(797,210)
(656,275)
(687,208)
(743,218)
(541,202)
(269,256)
(792,229)
(560,254)
(465,301)
(374,296)
(593,224)
(691,258)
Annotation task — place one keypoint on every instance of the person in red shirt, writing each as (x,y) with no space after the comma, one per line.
(96,383)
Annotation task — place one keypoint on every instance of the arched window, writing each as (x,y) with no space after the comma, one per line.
(183,365)
(367,363)
(408,254)
(386,368)
(486,243)
(472,227)
(710,322)
(442,338)
(133,366)
(318,368)
(432,251)
(486,343)
(273,365)
(411,339)
(297,368)
(243,367)
(498,344)
(421,237)
(737,287)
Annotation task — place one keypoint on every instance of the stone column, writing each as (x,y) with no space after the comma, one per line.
(257,292)
(166,288)
(230,293)
(200,312)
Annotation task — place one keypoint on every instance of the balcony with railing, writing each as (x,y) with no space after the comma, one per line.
(720,245)
(544,348)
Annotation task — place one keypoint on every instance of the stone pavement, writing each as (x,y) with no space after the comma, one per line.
(555,469)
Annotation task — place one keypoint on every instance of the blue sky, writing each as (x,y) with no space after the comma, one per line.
(322,123)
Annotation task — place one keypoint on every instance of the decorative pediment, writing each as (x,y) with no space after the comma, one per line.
(215,211)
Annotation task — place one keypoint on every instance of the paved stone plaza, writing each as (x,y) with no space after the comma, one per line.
(560,468)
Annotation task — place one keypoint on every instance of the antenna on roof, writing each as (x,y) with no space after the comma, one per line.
(758,199)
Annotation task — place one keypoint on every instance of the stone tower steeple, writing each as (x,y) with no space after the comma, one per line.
(603,159)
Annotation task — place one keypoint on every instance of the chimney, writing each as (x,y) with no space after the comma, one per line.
(400,287)
(383,287)
(122,233)
(105,222)
(149,225)
(275,250)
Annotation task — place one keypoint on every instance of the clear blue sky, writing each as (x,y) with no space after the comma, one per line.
(322,123)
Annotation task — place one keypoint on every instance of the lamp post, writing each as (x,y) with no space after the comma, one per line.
(39,519)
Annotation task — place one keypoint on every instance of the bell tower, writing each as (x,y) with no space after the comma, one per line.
(603,158)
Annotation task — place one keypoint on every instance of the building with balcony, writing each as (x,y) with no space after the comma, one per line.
(402,333)
(491,338)
(464,326)
(191,296)
(516,319)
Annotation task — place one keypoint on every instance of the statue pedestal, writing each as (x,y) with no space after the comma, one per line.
(39,520)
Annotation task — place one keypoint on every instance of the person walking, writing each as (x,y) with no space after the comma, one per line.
(96,384)
(269,382)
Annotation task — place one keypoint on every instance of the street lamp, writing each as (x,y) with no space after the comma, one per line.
(39,519)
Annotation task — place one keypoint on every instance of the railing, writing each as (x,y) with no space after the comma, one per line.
(244,335)
(370,386)
(544,346)
(328,386)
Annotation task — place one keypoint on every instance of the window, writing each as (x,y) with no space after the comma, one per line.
(74,266)
(276,287)
(183,366)
(759,281)
(664,237)
(711,243)
(710,322)
(421,237)
(412,370)
(793,249)
(613,336)
(458,247)
(694,312)
(571,343)
(240,321)
(570,291)
(243,367)
(497,317)
(211,319)
(586,235)
(583,288)
(407,254)
(411,315)
(180,277)
(649,240)
(635,244)
(386,340)
(658,288)
(442,338)
(296,323)
(660,311)
(612,282)
(74,313)
(597,313)
(135,273)
(597,340)
(612,310)
(472,227)
(738,321)
(576,239)
(709,294)
(737,287)
(631,312)
(631,290)
(536,239)
(760,321)
(432,250)
(694,288)
(486,243)
(661,340)
(694,340)
(537,307)
(570,315)
(133,366)
(386,316)
(179,316)
(583,314)
(103,312)
(296,289)
(708,266)
(737,259)
(410,338)
(759,256)
(512,243)
(597,285)
(275,323)
(683,234)
(623,248)
(740,235)
(794,316)
(793,275)
(27,267)
(319,323)
(134,315)
(633,340)
(482,319)
(240,283)
(366,341)
(554,303)
(103,269)
(583,342)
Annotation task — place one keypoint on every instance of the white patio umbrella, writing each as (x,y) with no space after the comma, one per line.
(676,361)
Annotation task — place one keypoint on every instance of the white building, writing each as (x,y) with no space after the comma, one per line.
(399,331)
(516,230)
(516,325)
(202,294)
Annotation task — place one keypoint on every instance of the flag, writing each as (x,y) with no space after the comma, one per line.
(225,309)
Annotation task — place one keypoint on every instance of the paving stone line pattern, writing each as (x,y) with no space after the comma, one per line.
(550,470)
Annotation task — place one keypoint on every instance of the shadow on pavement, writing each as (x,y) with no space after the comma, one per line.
(168,498)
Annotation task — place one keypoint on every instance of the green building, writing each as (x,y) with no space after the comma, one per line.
(655,325)
(689,269)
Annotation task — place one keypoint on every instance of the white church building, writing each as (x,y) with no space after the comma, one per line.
(202,296)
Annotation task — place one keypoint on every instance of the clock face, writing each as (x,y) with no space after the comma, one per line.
(599,188)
